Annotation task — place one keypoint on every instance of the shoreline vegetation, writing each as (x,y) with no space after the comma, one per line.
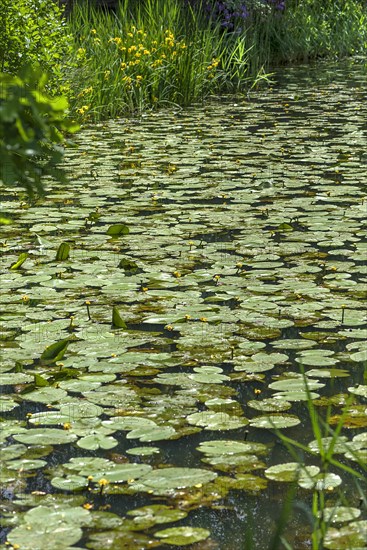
(154,54)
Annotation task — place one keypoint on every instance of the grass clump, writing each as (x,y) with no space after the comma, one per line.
(150,54)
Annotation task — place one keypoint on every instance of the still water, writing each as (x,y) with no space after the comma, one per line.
(216,254)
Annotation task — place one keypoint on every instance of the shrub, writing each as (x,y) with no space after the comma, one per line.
(31,126)
(34,32)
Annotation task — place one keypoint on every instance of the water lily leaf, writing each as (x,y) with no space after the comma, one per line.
(340,445)
(7,403)
(63,252)
(11,378)
(120,538)
(97,441)
(339,514)
(143,451)
(160,513)
(117,229)
(116,473)
(359,356)
(40,524)
(243,482)
(352,535)
(152,433)
(216,420)
(45,436)
(228,447)
(359,390)
(55,352)
(117,320)
(182,536)
(25,464)
(69,483)
(271,404)
(290,471)
(12,451)
(46,395)
(20,261)
(272,422)
(175,478)
(320,482)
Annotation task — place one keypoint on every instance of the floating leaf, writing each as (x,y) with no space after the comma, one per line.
(175,478)
(182,536)
(272,422)
(45,436)
(216,420)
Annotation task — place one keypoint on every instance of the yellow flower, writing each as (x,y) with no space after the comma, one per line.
(139,77)
(93,31)
(131,49)
(146,52)
(67,426)
(123,66)
(88,506)
(107,74)
(103,482)
(130,34)
(140,31)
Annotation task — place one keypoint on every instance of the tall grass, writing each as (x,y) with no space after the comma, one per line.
(149,54)
(327,439)
(155,53)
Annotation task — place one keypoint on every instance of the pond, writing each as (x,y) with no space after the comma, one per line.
(181,316)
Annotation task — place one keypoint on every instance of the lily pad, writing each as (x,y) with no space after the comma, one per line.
(275,421)
(182,536)
(45,436)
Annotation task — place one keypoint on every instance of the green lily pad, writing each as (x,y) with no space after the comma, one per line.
(40,525)
(69,483)
(143,451)
(182,536)
(290,471)
(175,478)
(340,514)
(216,420)
(272,422)
(160,513)
(350,536)
(45,436)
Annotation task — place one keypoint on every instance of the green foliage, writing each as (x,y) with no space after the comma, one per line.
(34,32)
(154,54)
(149,54)
(31,130)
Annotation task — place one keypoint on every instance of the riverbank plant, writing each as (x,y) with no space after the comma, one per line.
(151,54)
(155,54)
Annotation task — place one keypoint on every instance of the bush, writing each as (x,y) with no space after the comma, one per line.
(31,126)
(34,32)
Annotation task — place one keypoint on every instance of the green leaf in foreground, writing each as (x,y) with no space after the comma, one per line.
(20,261)
(55,351)
(63,252)
(117,320)
(117,230)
